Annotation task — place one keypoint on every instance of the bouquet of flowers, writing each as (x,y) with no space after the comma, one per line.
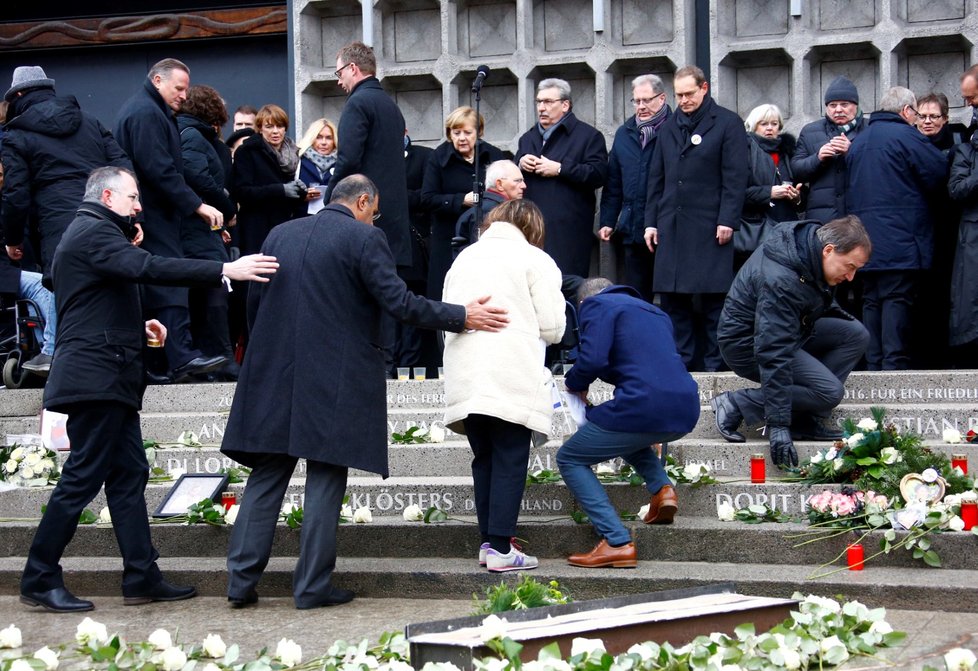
(29,465)
(846,508)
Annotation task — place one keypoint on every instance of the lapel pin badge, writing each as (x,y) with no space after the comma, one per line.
(696,139)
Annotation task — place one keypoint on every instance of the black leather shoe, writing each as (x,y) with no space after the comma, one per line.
(57,600)
(161,591)
(728,418)
(157,378)
(815,430)
(336,596)
(243,601)
(202,364)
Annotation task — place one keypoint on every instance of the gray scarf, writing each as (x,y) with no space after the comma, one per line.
(287,155)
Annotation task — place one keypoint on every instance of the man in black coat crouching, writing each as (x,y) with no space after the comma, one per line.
(97,379)
(780,326)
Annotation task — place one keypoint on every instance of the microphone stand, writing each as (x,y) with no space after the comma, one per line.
(477,186)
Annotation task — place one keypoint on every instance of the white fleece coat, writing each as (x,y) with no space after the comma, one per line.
(502,374)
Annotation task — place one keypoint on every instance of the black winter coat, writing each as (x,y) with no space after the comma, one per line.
(693,188)
(371,142)
(827,180)
(770,312)
(567,200)
(49,149)
(204,157)
(336,280)
(100,337)
(447,178)
(257,183)
(624,194)
(763,175)
(963,188)
(415,159)
(894,174)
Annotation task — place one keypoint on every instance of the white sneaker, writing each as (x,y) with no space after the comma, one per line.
(514,560)
(482,553)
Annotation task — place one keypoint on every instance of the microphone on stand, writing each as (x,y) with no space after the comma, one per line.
(482,73)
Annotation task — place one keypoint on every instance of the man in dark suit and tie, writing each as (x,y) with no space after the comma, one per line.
(316,390)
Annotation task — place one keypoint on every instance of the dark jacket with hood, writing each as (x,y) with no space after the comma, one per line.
(771,309)
(827,180)
(50,146)
(629,343)
(207,170)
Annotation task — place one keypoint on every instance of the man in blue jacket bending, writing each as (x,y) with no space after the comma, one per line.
(629,343)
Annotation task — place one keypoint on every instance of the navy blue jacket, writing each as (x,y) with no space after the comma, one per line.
(629,343)
(894,173)
(826,199)
(623,197)
(696,184)
(567,200)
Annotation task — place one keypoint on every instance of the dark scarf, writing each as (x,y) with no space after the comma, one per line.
(648,129)
(323,162)
(689,122)
(97,209)
(770,145)
(846,128)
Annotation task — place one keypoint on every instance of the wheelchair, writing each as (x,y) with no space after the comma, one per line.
(20,321)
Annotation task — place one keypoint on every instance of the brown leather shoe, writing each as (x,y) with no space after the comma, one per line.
(603,555)
(662,506)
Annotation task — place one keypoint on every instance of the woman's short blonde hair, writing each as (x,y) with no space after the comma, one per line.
(761,113)
(271,114)
(315,128)
(461,117)
(522,214)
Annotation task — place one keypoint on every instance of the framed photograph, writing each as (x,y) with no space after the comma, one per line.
(191,489)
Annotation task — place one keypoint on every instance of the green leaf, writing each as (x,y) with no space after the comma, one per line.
(931,558)
(87,517)
(745,630)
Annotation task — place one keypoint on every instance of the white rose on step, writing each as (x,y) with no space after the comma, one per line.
(49,657)
(959,659)
(161,639)
(91,633)
(288,652)
(951,435)
(232,514)
(11,637)
(214,646)
(173,659)
(413,513)
(726,512)
(362,515)
(436,434)
(105,516)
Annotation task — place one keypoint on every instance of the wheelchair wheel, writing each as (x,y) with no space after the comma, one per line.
(13,374)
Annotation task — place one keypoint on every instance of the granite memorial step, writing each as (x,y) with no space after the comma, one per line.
(425,578)
(688,539)
(454,495)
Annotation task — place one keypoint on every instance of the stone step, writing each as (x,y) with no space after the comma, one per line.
(454,495)
(688,539)
(427,578)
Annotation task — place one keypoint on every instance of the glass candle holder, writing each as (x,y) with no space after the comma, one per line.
(960,461)
(228,499)
(855,557)
(757,472)
(969,514)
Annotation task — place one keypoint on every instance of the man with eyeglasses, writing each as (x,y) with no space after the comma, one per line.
(697,183)
(894,174)
(564,161)
(49,147)
(623,197)
(969,94)
(504,181)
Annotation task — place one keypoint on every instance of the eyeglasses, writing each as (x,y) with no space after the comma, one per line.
(638,102)
(131,196)
(518,180)
(337,73)
(375,217)
(912,109)
(549,101)
(929,117)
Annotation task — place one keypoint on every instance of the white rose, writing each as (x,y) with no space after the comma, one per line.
(46,465)
(11,637)
(952,500)
(492,627)
(48,656)
(692,471)
(955,523)
(26,472)
(346,511)
(881,627)
(586,646)
(960,659)
(413,513)
(951,435)
(929,475)
(837,464)
(105,516)
(361,515)
(855,439)
(173,659)
(867,424)
(10,466)
(289,508)
(161,639)
(726,512)
(833,642)
(605,468)
(32,459)
(641,650)
(214,646)
(436,434)
(816,458)
(232,514)
(889,455)
(91,632)
(17,454)
(833,453)
(792,660)
(288,652)
(21,665)
(188,438)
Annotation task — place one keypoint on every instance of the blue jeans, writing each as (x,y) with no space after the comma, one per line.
(592,445)
(31,287)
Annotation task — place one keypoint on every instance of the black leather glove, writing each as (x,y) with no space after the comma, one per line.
(295,189)
(782,449)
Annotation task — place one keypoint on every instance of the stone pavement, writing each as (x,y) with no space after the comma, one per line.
(930,633)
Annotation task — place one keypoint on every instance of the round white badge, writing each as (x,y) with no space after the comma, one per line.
(696,139)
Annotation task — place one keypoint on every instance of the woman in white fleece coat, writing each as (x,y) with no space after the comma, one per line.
(496,387)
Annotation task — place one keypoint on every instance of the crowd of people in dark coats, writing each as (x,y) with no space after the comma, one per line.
(688,191)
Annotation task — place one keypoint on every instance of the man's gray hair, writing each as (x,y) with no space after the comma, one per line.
(166,67)
(498,170)
(655,81)
(896,99)
(102,179)
(563,88)
(352,187)
(592,286)
(845,235)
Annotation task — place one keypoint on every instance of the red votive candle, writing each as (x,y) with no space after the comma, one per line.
(228,499)
(960,461)
(969,514)
(855,557)
(757,468)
